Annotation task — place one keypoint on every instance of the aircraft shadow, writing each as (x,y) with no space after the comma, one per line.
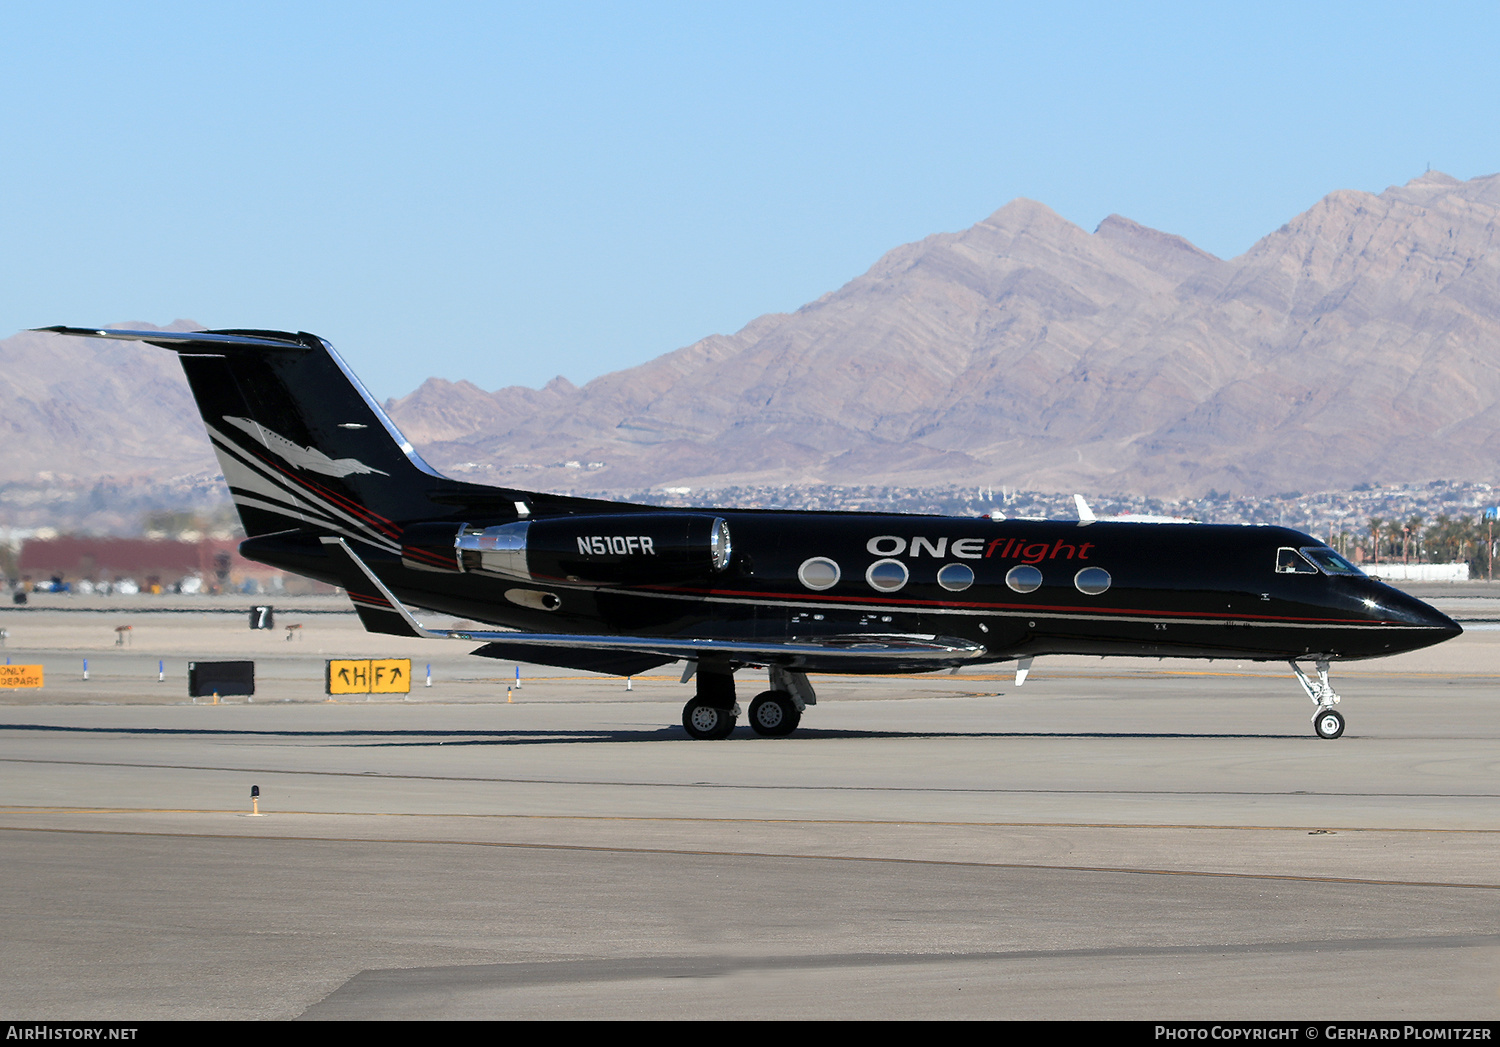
(421,738)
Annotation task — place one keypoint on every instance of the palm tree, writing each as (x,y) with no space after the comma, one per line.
(1409,539)
(1394,533)
(1439,539)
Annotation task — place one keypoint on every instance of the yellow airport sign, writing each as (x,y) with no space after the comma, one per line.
(390,675)
(369,676)
(20,676)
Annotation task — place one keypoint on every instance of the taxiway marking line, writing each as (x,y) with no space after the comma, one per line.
(678,820)
(783,786)
(702,853)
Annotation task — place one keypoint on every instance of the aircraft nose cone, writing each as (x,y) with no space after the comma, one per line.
(1440,625)
(1429,617)
(1425,624)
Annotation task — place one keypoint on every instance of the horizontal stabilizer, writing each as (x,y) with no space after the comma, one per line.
(186,341)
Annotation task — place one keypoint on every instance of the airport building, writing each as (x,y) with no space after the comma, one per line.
(143,564)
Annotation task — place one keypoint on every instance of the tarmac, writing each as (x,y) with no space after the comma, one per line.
(1129,839)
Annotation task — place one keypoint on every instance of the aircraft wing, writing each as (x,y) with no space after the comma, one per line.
(900,650)
(381,611)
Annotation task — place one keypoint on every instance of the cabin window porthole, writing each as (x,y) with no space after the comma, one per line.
(1024,579)
(818,573)
(1091,581)
(886,575)
(956,577)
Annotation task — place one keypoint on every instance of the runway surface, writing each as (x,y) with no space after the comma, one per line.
(1114,839)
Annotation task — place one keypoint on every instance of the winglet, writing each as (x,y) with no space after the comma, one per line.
(1085,514)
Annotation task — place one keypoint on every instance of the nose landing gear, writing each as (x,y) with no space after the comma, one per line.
(1327,722)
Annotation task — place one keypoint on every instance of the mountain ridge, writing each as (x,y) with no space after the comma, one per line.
(1025,350)
(1352,344)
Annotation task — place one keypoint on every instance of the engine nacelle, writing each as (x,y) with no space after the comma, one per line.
(432,547)
(623,549)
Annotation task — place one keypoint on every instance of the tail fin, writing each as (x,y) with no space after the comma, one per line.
(301,442)
(304,446)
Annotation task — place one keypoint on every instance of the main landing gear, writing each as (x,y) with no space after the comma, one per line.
(704,721)
(1327,721)
(774,714)
(713,712)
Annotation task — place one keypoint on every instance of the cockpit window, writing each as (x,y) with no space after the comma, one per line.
(1290,561)
(1328,561)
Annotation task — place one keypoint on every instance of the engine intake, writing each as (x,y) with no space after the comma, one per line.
(432,547)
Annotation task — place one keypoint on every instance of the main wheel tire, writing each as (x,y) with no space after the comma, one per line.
(705,721)
(1328,723)
(773,714)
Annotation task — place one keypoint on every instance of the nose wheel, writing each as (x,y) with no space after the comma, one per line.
(1327,722)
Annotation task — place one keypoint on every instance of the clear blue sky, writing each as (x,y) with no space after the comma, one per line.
(508,192)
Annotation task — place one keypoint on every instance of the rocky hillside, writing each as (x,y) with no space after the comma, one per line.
(1352,344)
(83,409)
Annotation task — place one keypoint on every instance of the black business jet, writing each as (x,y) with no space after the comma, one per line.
(327,487)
